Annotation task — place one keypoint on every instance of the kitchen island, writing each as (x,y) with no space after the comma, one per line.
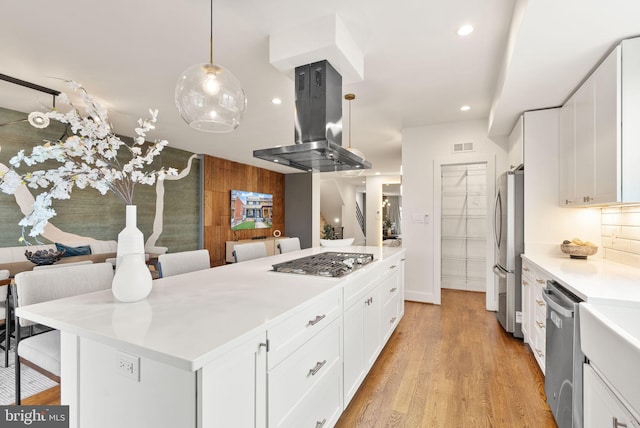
(198,351)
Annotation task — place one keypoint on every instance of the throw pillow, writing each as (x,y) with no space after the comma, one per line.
(83,250)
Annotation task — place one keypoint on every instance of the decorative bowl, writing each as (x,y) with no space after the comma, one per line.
(578,251)
(44,257)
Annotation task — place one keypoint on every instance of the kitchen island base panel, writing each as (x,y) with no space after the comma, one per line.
(108,398)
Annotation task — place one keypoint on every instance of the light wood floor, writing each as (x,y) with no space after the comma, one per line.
(445,366)
(451,366)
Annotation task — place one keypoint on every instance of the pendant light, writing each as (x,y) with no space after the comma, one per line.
(209,97)
(36,119)
(352,172)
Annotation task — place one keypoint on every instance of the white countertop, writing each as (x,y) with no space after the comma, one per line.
(188,320)
(594,280)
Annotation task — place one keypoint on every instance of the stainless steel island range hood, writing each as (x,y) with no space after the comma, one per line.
(318,125)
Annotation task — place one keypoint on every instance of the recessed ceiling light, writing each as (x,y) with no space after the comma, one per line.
(276,101)
(465,108)
(465,30)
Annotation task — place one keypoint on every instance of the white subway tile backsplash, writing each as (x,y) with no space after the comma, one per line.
(630,232)
(621,234)
(622,257)
(612,219)
(611,230)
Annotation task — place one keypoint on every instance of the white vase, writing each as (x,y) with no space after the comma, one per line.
(132,280)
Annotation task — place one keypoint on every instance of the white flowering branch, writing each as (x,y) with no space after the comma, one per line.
(88,158)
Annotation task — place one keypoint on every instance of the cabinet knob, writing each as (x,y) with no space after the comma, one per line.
(526,269)
(567,202)
(540,353)
(392,320)
(587,199)
(525,282)
(541,325)
(540,302)
(393,290)
(392,267)
(540,281)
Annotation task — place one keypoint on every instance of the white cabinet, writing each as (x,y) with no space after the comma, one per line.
(601,406)
(527,296)
(391,301)
(361,339)
(374,306)
(567,163)
(305,364)
(597,124)
(232,389)
(298,384)
(516,145)
(534,311)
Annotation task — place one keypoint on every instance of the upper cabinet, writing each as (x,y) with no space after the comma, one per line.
(516,145)
(593,137)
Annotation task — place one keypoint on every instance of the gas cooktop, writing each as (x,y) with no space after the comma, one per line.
(330,264)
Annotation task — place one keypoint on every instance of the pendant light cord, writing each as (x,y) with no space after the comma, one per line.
(211,36)
(349,123)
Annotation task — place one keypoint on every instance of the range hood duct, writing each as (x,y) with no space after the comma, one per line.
(318,125)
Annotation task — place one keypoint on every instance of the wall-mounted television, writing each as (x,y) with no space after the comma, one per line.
(251,210)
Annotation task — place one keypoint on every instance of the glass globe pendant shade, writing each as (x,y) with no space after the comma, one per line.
(210,98)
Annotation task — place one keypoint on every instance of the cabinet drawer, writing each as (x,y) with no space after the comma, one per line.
(538,302)
(321,406)
(291,380)
(390,317)
(357,283)
(390,286)
(289,334)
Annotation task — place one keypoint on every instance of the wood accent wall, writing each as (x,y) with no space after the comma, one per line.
(220,177)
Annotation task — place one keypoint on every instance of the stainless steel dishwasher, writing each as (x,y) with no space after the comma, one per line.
(564,358)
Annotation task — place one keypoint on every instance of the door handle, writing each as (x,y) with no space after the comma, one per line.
(317,368)
(316,321)
(495,220)
(548,297)
(499,272)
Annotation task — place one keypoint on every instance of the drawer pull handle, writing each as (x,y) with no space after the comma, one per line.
(393,290)
(540,353)
(317,368)
(541,325)
(393,320)
(392,266)
(617,424)
(317,320)
(526,269)
(320,424)
(540,281)
(369,301)
(540,302)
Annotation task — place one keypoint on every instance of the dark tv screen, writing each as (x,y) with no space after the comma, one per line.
(251,210)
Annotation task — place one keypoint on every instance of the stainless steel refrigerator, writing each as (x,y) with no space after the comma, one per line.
(508,232)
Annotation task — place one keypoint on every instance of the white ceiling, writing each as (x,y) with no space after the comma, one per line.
(417,70)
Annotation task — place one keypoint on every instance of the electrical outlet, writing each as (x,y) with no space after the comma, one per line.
(128,365)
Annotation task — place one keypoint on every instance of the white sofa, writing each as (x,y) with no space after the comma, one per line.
(16,254)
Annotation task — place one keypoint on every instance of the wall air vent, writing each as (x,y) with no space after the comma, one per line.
(462,147)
